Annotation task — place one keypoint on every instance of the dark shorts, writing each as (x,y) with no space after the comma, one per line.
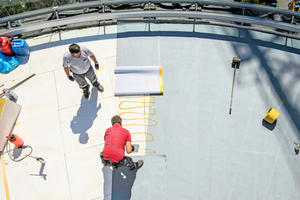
(125,162)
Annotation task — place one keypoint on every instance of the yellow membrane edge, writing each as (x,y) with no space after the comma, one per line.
(2,104)
(160,80)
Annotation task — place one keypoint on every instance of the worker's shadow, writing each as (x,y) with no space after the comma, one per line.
(85,116)
(118,183)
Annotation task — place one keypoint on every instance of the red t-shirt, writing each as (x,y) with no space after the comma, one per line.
(115,140)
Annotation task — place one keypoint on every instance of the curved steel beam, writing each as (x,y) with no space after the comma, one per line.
(190,14)
(100,3)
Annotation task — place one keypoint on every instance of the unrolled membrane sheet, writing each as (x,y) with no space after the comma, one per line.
(148,182)
(138,80)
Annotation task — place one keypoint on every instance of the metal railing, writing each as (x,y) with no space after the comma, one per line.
(101,8)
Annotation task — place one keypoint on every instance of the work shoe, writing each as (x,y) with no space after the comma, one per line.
(100,88)
(139,163)
(86,92)
(297,147)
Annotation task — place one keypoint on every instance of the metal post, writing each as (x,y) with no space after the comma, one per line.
(243,14)
(57,15)
(196,7)
(103,6)
(8,24)
(286,39)
(149,4)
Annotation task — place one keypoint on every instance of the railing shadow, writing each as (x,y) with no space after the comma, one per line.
(72,40)
(257,52)
(275,78)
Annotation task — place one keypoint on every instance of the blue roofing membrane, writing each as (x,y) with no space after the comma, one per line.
(209,153)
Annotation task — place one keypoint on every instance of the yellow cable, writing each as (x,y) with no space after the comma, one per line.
(122,106)
(147,149)
(139,112)
(140,97)
(138,107)
(274,101)
(146,136)
(136,102)
(281,104)
(155,122)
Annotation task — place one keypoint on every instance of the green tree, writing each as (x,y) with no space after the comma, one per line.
(262,2)
(11,7)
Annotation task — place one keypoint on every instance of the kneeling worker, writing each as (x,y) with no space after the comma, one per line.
(116,138)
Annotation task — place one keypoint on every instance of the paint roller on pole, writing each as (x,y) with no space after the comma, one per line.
(13,87)
(236,62)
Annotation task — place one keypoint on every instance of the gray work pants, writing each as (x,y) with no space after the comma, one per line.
(90,74)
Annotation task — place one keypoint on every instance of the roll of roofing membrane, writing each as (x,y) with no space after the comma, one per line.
(138,80)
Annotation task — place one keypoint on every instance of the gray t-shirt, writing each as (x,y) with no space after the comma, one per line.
(78,65)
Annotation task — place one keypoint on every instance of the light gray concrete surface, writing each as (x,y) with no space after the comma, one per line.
(211,154)
(60,125)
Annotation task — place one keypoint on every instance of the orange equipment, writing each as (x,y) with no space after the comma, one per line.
(5,47)
(16,140)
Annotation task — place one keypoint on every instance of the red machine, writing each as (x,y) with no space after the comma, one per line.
(5,47)
(16,140)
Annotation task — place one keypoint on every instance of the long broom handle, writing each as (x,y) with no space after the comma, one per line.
(4,177)
(13,87)
(232,89)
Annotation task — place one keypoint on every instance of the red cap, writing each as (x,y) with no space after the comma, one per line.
(3,91)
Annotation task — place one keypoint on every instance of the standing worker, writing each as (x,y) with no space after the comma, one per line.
(76,60)
(116,138)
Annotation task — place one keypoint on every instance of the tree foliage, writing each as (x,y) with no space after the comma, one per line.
(262,2)
(12,7)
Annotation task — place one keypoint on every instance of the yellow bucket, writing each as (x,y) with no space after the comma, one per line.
(271,115)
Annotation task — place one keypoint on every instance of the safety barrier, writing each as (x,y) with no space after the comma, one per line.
(103,15)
